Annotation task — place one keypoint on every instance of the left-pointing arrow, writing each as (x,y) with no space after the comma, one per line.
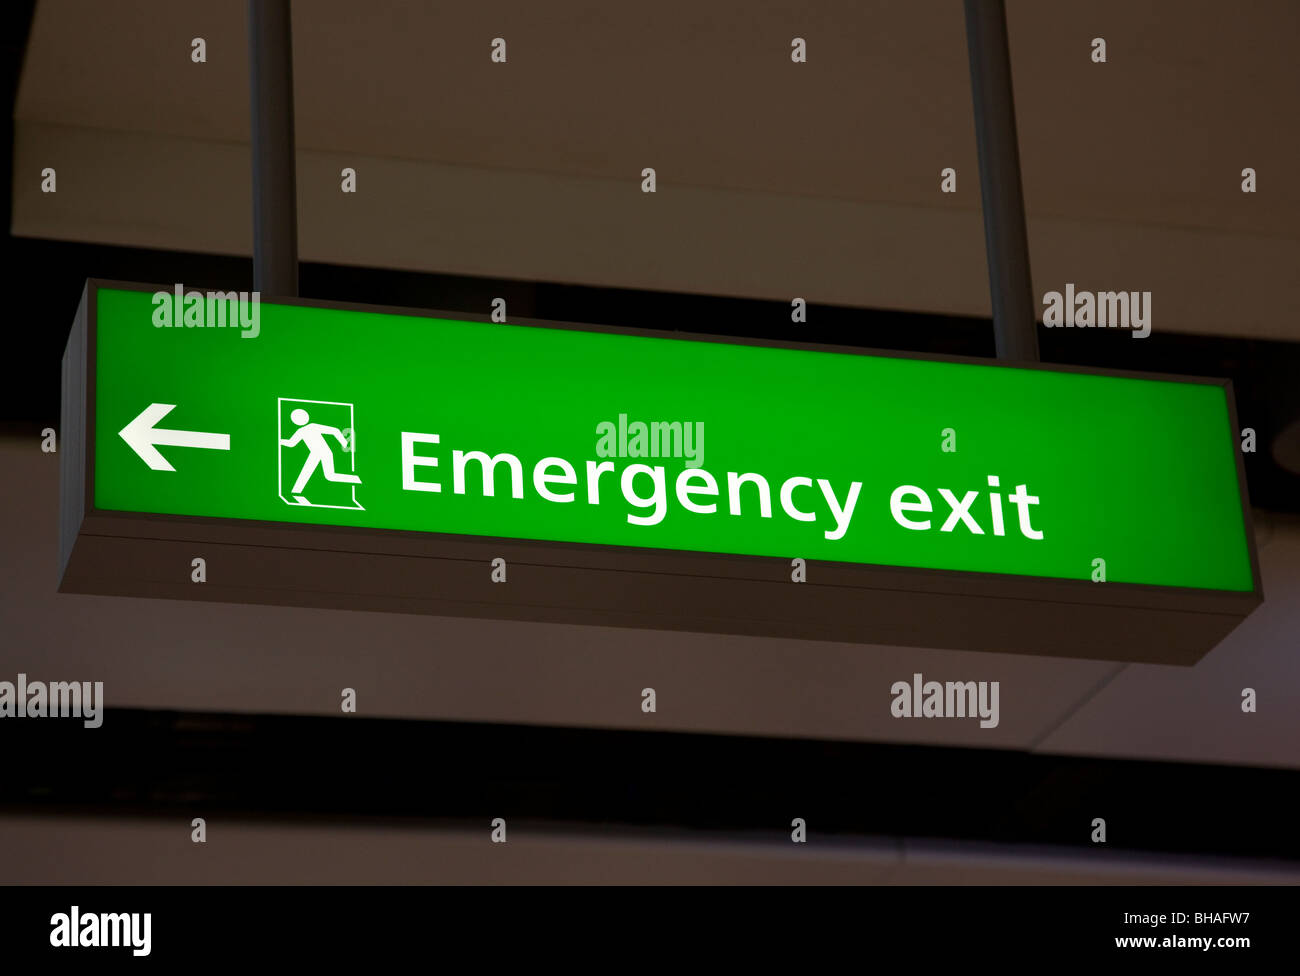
(143,437)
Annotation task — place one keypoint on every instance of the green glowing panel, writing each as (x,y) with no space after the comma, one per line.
(336,417)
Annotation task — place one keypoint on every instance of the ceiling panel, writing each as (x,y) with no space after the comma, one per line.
(775,179)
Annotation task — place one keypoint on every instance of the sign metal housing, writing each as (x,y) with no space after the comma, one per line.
(169,453)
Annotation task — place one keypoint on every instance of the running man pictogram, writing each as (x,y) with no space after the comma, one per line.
(317,436)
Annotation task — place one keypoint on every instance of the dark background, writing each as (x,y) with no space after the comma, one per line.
(275,767)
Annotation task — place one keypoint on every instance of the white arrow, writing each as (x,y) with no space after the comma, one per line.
(143,437)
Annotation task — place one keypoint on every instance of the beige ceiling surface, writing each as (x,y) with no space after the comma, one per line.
(818,179)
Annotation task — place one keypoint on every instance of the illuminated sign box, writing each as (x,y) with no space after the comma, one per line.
(338,456)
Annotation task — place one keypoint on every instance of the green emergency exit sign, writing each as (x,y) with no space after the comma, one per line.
(403,426)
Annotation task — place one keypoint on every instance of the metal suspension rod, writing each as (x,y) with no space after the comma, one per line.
(275,191)
(1005,240)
